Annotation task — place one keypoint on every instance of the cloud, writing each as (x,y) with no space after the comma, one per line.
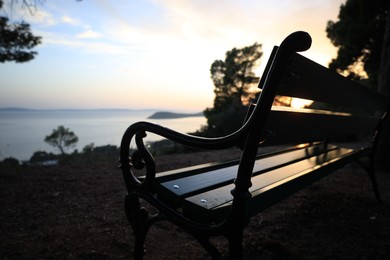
(186,26)
(36,16)
(99,47)
(89,34)
(43,18)
(69,20)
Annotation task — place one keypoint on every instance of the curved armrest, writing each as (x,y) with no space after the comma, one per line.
(141,157)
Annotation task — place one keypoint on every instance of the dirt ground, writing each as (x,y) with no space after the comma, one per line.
(75,211)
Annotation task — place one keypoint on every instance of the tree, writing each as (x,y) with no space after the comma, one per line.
(41,156)
(234,77)
(359,35)
(384,75)
(16,40)
(62,138)
(362,35)
(234,81)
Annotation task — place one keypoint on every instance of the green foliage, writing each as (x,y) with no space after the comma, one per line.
(16,40)
(10,162)
(358,34)
(88,149)
(106,151)
(62,138)
(10,166)
(224,122)
(41,156)
(234,83)
(166,146)
(234,77)
(106,154)
(90,154)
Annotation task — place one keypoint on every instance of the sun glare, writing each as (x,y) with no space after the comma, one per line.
(300,103)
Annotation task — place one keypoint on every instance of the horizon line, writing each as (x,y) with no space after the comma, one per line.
(92,109)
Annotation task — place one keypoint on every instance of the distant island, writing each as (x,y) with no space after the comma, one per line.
(170,115)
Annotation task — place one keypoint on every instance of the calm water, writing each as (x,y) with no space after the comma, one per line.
(22,132)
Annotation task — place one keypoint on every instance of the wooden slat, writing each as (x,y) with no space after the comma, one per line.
(192,170)
(210,206)
(306,79)
(297,125)
(174,191)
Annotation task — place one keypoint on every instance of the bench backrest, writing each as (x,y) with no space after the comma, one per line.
(290,74)
(345,109)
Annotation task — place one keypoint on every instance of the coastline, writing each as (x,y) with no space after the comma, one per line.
(22,132)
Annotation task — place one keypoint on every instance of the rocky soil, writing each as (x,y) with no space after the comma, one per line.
(75,211)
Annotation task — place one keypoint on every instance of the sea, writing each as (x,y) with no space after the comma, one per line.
(22,131)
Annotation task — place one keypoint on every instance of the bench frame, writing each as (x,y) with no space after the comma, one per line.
(247,137)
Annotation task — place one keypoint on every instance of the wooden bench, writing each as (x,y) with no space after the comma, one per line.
(218,199)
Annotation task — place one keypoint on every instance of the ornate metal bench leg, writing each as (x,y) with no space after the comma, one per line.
(235,247)
(211,250)
(139,247)
(137,218)
(237,224)
(371,173)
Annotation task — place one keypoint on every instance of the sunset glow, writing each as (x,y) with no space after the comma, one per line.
(149,54)
(300,103)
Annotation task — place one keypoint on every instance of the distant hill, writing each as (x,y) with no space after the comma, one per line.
(170,115)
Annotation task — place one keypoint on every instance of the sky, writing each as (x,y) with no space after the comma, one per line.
(143,54)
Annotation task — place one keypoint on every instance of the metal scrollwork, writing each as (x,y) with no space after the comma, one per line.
(140,159)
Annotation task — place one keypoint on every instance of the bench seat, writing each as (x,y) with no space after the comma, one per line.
(205,197)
